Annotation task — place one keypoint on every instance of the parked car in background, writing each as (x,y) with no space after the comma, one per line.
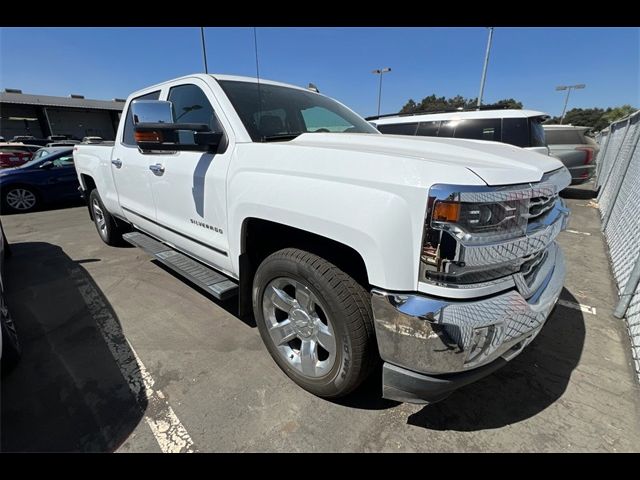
(522,128)
(30,139)
(22,138)
(19,147)
(44,151)
(56,138)
(574,146)
(13,158)
(49,179)
(9,344)
(92,140)
(15,154)
(63,143)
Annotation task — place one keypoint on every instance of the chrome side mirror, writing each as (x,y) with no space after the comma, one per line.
(151,111)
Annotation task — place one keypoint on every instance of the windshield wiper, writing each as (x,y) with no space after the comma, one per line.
(280,136)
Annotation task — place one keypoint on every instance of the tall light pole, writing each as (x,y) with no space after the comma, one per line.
(380,71)
(566,99)
(204,50)
(484,68)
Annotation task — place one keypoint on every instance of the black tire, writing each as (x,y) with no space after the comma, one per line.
(31,199)
(11,350)
(109,230)
(348,308)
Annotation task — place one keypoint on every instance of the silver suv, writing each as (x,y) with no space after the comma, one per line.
(575,148)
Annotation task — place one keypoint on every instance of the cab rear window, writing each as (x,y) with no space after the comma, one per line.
(564,137)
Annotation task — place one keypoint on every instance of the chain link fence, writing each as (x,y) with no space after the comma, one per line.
(618,181)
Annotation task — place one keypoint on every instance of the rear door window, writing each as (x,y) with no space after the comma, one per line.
(479,129)
(428,129)
(399,128)
(515,131)
(564,137)
(537,133)
(447,128)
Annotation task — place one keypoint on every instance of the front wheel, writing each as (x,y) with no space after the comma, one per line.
(315,321)
(20,199)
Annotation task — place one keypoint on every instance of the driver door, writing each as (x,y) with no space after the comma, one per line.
(189,187)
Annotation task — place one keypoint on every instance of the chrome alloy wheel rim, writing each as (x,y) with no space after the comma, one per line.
(21,199)
(99,216)
(299,327)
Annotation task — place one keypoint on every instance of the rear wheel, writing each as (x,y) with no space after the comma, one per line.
(20,199)
(108,229)
(316,322)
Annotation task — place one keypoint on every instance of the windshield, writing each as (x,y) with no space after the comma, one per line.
(272,112)
(50,156)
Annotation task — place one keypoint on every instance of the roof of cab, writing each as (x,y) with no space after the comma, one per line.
(216,76)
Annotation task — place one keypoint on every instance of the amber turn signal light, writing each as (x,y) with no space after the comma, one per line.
(446,212)
(152,136)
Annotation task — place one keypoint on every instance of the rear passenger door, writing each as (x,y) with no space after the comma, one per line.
(132,176)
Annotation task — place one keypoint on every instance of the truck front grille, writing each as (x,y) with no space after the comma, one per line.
(538,206)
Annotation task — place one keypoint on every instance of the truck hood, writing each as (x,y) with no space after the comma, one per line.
(495,163)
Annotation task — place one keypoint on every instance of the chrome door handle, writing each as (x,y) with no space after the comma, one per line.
(117,162)
(157,169)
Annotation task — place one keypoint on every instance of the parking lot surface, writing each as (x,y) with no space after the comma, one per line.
(121,355)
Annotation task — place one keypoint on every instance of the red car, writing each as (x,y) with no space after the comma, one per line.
(15,154)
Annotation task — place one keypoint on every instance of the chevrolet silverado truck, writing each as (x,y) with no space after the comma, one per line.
(433,257)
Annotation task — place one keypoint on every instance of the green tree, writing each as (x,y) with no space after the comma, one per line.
(618,112)
(596,118)
(509,103)
(409,107)
(433,103)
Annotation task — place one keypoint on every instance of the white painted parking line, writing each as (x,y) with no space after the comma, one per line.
(165,425)
(578,306)
(577,232)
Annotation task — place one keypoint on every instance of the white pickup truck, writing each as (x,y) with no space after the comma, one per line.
(434,255)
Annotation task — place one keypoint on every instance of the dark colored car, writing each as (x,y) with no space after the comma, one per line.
(9,345)
(49,179)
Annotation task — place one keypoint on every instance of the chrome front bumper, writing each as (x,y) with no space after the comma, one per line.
(434,335)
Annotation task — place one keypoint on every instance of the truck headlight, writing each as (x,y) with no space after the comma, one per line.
(457,219)
(474,235)
(481,222)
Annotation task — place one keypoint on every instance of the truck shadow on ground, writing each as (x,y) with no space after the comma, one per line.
(230,305)
(527,385)
(69,392)
(580,191)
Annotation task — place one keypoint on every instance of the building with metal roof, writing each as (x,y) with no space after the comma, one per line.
(43,115)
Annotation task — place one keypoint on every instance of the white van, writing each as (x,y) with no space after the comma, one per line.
(522,128)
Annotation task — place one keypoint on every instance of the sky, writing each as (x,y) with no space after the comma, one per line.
(526,63)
